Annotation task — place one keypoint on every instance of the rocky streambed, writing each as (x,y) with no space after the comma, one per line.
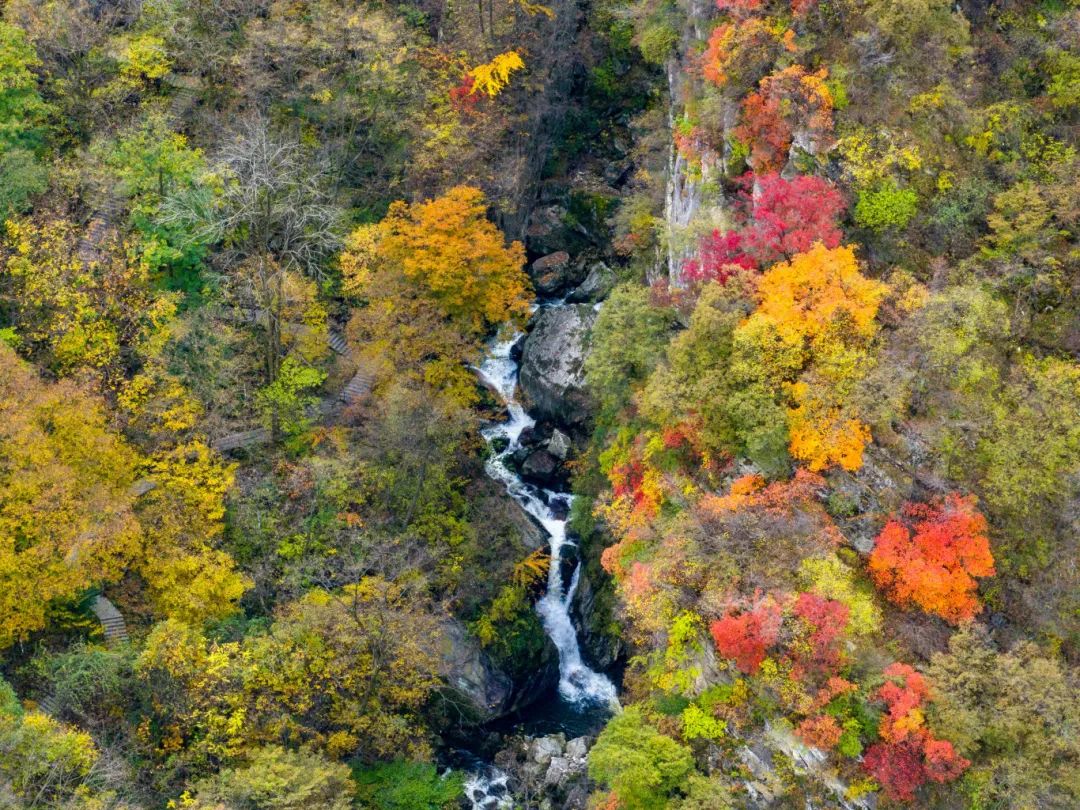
(543,759)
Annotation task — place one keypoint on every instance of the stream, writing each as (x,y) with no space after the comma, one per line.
(583,694)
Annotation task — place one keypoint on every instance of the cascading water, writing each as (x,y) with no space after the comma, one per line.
(579,686)
(578,683)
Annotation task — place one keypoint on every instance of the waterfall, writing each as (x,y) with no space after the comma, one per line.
(578,683)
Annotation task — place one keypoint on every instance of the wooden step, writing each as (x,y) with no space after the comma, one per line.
(245,438)
(112,621)
(337,342)
(358,387)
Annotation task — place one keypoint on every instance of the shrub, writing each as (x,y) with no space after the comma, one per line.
(886,206)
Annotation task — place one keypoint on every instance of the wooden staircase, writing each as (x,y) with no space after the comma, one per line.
(241,440)
(112,621)
(357,388)
(337,343)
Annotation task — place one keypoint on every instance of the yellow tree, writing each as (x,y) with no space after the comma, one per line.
(348,671)
(66,519)
(183,517)
(493,76)
(814,325)
(75,313)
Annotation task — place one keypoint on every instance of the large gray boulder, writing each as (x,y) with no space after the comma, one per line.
(481,691)
(552,364)
(478,686)
(554,273)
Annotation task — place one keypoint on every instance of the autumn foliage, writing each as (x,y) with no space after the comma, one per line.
(775,219)
(819,311)
(492,77)
(448,247)
(826,619)
(909,754)
(744,637)
(931,555)
(789,102)
(821,731)
(433,277)
(740,53)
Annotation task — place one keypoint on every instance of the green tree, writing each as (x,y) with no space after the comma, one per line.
(286,403)
(403,785)
(639,764)
(45,764)
(149,163)
(886,206)
(1014,714)
(694,382)
(22,115)
(628,341)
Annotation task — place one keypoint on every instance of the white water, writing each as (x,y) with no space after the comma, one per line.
(577,682)
(486,789)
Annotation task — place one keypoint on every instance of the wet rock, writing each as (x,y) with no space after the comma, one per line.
(527,437)
(517,458)
(595,287)
(542,468)
(478,685)
(554,274)
(568,562)
(478,690)
(515,350)
(559,445)
(552,772)
(600,649)
(543,749)
(536,436)
(577,748)
(532,533)
(552,365)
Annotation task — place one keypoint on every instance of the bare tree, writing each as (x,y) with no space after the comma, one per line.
(274,216)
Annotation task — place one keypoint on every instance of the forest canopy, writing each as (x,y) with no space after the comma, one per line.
(610,405)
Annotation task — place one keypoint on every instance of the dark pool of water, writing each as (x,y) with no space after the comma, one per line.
(552,714)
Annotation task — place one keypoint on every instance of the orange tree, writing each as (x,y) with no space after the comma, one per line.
(809,342)
(930,555)
(434,276)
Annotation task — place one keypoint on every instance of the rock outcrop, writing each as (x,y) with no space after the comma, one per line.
(552,364)
(595,287)
(599,646)
(551,770)
(477,690)
(554,274)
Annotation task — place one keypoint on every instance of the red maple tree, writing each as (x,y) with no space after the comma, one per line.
(827,620)
(775,219)
(908,754)
(745,637)
(787,100)
(931,555)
